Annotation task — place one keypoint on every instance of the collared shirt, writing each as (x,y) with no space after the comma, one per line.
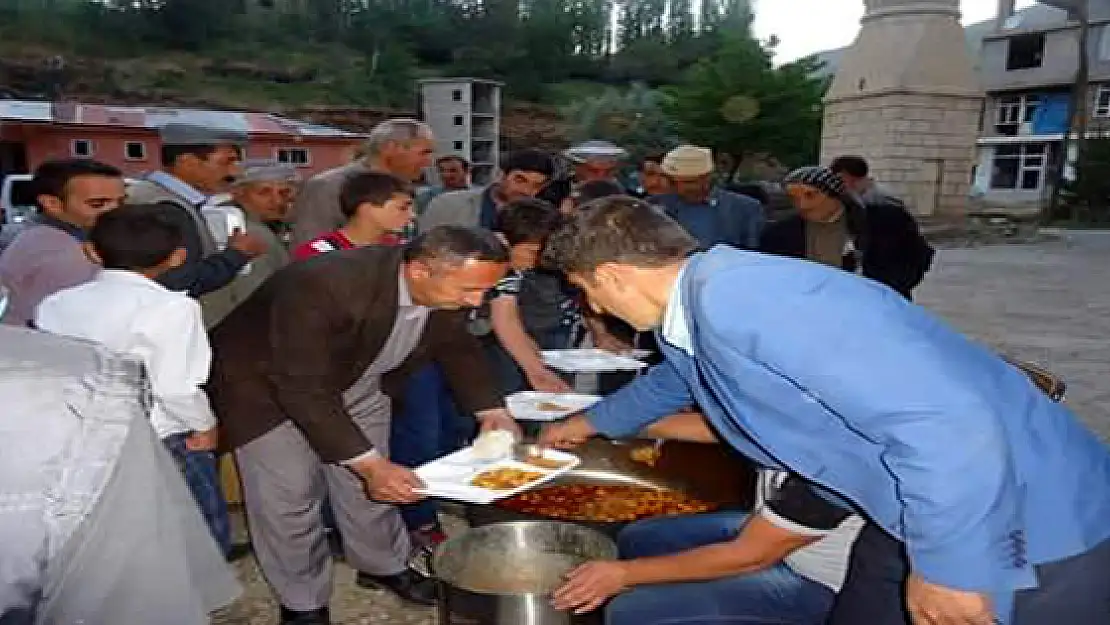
(131,314)
(487,217)
(178,186)
(675,329)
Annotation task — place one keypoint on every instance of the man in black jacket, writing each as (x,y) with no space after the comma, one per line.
(877,238)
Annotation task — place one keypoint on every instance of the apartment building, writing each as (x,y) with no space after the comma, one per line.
(1026,61)
(1027,67)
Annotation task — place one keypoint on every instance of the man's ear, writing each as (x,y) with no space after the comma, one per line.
(51,205)
(177,258)
(91,254)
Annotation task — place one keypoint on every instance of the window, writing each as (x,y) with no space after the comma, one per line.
(1013,111)
(134,151)
(458,145)
(81,148)
(458,120)
(293,156)
(456,95)
(1102,102)
(1025,52)
(1019,166)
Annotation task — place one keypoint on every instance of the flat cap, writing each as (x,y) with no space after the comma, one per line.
(821,178)
(595,150)
(688,161)
(195,134)
(266,170)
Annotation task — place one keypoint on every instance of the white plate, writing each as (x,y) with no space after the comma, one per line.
(525,405)
(589,361)
(449,477)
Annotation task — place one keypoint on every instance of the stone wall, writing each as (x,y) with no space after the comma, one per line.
(920,146)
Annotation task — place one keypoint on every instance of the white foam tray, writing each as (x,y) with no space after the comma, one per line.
(591,360)
(449,477)
(525,405)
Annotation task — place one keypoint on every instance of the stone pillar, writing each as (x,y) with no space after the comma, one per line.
(907,99)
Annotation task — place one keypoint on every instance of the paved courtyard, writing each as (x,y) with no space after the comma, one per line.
(1047,302)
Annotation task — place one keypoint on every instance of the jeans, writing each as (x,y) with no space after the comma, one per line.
(202,474)
(429,426)
(774,596)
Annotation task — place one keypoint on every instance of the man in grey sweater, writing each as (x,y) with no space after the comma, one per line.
(47,257)
(400,147)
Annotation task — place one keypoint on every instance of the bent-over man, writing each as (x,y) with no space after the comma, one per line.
(999,495)
(297,384)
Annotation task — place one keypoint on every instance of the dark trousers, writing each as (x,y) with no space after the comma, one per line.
(428,426)
(202,474)
(1074,591)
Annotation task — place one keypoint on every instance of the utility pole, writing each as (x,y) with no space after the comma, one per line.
(1077,115)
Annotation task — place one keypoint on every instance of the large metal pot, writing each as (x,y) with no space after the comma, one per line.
(712,473)
(504,574)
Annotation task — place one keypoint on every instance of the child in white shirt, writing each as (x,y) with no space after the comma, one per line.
(124,309)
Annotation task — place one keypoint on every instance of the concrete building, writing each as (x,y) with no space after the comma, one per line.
(906,97)
(1026,62)
(465,115)
(1028,68)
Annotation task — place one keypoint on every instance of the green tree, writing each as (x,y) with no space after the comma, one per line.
(738,103)
(633,119)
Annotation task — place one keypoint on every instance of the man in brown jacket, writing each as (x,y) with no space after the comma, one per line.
(297,385)
(399,147)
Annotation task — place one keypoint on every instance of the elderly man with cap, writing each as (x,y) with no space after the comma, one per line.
(260,196)
(878,239)
(710,214)
(595,160)
(400,147)
(199,162)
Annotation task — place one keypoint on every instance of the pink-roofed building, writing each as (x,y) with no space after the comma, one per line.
(127,137)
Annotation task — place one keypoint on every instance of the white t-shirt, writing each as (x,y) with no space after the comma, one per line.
(788,503)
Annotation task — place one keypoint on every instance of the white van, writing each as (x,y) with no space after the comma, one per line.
(17,205)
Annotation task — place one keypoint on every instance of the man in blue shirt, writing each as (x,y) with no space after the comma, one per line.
(1000,497)
(710,214)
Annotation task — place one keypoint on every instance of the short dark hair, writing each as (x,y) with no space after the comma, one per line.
(617,229)
(656,158)
(536,161)
(455,245)
(595,190)
(527,221)
(52,177)
(370,188)
(453,157)
(855,166)
(136,236)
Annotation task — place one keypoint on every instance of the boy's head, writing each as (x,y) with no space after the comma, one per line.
(382,199)
(77,191)
(138,237)
(525,225)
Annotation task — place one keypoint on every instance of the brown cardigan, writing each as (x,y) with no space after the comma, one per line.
(292,349)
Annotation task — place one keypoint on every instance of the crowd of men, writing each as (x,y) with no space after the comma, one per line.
(390,328)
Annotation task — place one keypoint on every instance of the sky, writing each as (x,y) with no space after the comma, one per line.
(807,26)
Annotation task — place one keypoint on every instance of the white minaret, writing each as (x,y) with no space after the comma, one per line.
(907,99)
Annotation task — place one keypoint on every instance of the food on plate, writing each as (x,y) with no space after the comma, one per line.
(544,462)
(604,503)
(546,406)
(505,478)
(493,445)
(646,454)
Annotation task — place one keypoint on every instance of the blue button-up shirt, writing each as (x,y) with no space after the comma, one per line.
(725,217)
